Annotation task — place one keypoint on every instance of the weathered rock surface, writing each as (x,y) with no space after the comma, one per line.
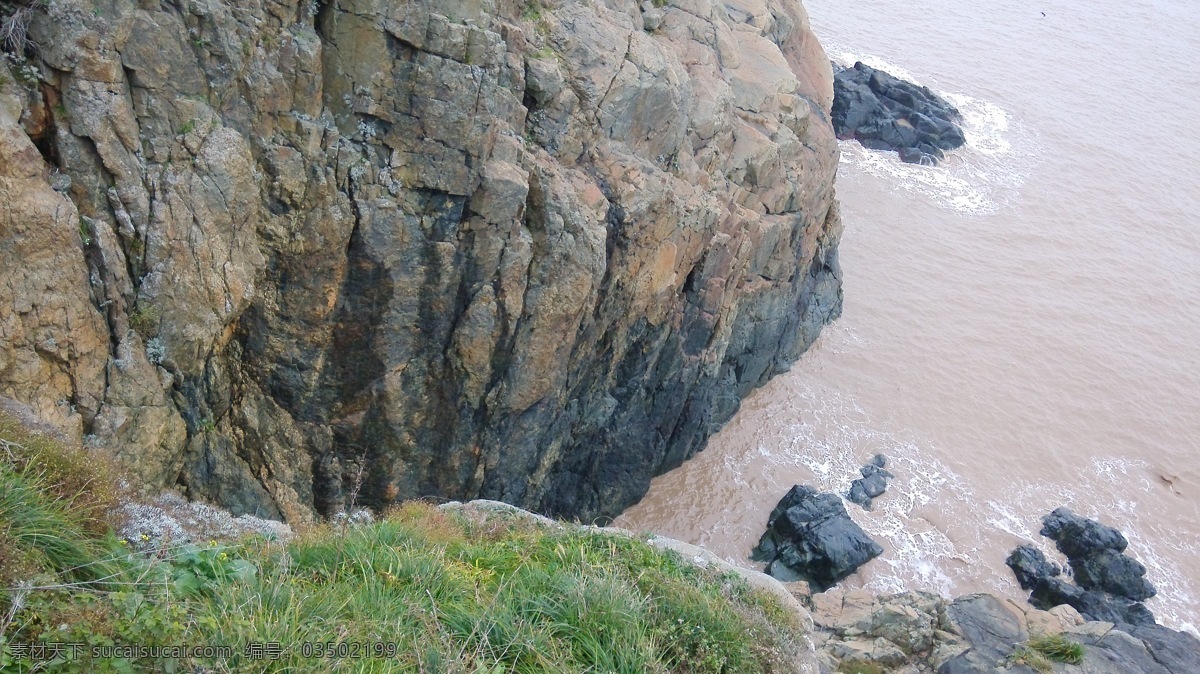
(1109,585)
(887,113)
(287,255)
(915,632)
(811,537)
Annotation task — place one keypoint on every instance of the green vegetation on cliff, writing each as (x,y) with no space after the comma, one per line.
(422,589)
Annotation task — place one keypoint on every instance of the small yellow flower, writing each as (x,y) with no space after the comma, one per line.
(145,537)
(222,556)
(124,542)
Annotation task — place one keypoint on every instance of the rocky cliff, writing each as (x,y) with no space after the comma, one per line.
(279,253)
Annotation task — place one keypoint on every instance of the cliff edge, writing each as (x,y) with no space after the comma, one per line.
(277,252)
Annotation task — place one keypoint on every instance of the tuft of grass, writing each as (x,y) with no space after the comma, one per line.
(57,504)
(85,232)
(187,127)
(1024,655)
(144,320)
(1058,648)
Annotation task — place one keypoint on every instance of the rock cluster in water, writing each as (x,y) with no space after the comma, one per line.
(872,484)
(811,537)
(1109,585)
(887,113)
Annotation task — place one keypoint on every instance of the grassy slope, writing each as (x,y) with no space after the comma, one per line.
(421,590)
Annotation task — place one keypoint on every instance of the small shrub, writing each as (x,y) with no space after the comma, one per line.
(187,127)
(14,30)
(156,350)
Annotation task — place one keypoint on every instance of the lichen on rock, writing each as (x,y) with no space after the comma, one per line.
(316,255)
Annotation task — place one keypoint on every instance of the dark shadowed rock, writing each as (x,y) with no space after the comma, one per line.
(887,113)
(872,484)
(1092,604)
(1030,565)
(1109,585)
(1177,651)
(1078,537)
(811,537)
(1114,573)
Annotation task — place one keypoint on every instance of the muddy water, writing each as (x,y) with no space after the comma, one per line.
(1022,324)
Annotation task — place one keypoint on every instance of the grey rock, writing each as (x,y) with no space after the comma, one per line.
(1030,566)
(1109,585)
(872,484)
(652,17)
(884,112)
(811,537)
(390,250)
(1078,537)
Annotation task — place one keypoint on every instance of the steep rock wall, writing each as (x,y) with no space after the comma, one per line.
(284,254)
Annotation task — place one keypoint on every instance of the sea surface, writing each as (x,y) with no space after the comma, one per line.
(1022,323)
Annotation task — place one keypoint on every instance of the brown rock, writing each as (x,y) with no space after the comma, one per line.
(412,249)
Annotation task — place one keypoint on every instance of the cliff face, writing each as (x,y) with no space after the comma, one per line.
(280,252)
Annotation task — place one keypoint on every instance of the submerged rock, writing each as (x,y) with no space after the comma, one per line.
(887,113)
(872,484)
(811,537)
(1108,586)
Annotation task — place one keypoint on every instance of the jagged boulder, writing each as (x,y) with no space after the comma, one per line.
(872,484)
(1108,585)
(1030,566)
(1079,537)
(811,537)
(887,113)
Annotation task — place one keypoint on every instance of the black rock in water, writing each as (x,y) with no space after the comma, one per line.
(1078,537)
(1030,566)
(872,484)
(811,537)
(1108,585)
(886,113)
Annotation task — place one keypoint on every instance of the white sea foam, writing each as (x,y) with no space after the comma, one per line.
(928,500)
(976,179)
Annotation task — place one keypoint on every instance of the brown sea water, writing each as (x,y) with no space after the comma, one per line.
(1022,324)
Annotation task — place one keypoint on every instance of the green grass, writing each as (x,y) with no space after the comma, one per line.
(420,590)
(144,320)
(1058,648)
(1041,652)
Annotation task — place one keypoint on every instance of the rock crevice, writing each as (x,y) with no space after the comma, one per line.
(293,255)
